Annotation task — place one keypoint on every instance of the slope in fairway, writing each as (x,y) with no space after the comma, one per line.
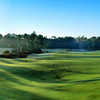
(56,76)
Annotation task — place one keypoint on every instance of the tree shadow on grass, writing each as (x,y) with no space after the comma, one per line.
(5,77)
(18,75)
(25,60)
(7,61)
(87,81)
(85,57)
(49,76)
(12,93)
(35,75)
(66,88)
(67,57)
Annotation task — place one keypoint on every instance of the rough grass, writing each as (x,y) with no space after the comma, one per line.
(57,76)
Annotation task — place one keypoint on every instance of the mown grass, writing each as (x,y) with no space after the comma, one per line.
(56,76)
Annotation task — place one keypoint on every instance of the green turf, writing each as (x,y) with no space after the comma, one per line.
(54,76)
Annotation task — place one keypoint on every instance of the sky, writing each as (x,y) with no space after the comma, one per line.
(50,17)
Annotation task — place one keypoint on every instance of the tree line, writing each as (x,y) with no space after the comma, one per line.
(29,43)
(92,43)
(23,43)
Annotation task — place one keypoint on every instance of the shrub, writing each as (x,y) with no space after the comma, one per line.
(7,54)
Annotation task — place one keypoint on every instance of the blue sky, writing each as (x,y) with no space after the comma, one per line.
(51,17)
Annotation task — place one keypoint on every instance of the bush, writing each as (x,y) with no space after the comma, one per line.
(7,54)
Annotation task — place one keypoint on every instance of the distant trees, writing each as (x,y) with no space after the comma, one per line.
(63,42)
(29,43)
(25,43)
(1,36)
(92,43)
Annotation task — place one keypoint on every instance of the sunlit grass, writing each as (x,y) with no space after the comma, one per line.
(56,76)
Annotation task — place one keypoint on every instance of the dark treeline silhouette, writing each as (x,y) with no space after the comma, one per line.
(29,43)
(62,42)
(22,44)
(92,43)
